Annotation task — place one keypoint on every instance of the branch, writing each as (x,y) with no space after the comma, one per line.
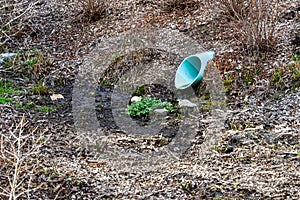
(17,17)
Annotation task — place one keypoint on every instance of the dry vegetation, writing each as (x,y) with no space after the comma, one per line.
(15,20)
(241,31)
(19,157)
(253,21)
(93,10)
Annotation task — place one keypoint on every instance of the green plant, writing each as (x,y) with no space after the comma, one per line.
(296,72)
(9,95)
(5,100)
(296,58)
(37,63)
(7,87)
(163,143)
(4,90)
(31,62)
(140,91)
(227,82)
(188,186)
(278,81)
(40,89)
(147,105)
(209,104)
(249,77)
(206,96)
(116,57)
(295,68)
(105,82)
(248,125)
(277,76)
(32,65)
(46,109)
(27,105)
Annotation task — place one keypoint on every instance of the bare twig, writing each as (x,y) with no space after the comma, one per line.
(13,17)
(16,149)
(22,14)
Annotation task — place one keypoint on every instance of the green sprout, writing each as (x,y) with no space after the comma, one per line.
(296,58)
(7,88)
(46,109)
(5,100)
(40,89)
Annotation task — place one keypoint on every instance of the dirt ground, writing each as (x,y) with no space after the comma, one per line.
(250,151)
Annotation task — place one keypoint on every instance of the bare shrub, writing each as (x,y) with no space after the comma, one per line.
(232,9)
(253,22)
(93,10)
(18,160)
(170,5)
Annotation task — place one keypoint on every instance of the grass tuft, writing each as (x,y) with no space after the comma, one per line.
(93,10)
(40,89)
(46,109)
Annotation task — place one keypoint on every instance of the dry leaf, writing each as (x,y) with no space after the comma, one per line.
(54,97)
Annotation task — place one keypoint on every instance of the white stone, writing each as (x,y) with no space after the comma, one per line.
(161,111)
(6,56)
(135,99)
(186,103)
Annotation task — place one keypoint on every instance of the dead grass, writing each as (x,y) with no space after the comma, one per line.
(93,10)
(253,22)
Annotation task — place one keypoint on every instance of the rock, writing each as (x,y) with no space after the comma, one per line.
(228,149)
(186,103)
(161,111)
(135,99)
(6,56)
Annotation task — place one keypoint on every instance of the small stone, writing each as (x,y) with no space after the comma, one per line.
(234,140)
(135,99)
(161,111)
(6,56)
(186,103)
(248,142)
(228,149)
